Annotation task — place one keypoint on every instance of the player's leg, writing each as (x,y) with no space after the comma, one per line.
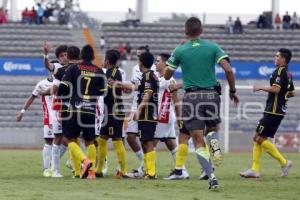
(147,131)
(47,150)
(212,140)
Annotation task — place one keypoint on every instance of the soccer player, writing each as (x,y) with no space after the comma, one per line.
(60,108)
(281,88)
(168,106)
(132,130)
(201,101)
(43,89)
(113,118)
(57,149)
(82,85)
(146,113)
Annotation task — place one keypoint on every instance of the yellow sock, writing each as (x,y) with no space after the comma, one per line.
(151,160)
(121,154)
(76,151)
(257,152)
(76,164)
(102,152)
(181,157)
(207,149)
(273,151)
(91,154)
(146,166)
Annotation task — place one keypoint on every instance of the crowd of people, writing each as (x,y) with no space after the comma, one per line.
(82,100)
(41,15)
(265,21)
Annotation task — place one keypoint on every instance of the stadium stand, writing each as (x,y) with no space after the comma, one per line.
(253,45)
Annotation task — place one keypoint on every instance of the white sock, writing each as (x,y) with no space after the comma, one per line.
(62,149)
(173,153)
(47,151)
(140,155)
(55,157)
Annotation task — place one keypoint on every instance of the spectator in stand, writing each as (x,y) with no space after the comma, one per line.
(63,17)
(238,27)
(102,42)
(3,16)
(229,25)
(131,19)
(128,51)
(40,14)
(33,15)
(48,13)
(286,21)
(269,20)
(261,23)
(121,49)
(277,22)
(26,18)
(294,20)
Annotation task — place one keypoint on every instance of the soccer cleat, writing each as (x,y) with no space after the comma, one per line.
(56,174)
(249,174)
(105,168)
(213,184)
(91,175)
(177,175)
(120,175)
(86,165)
(137,173)
(203,175)
(69,164)
(285,169)
(99,175)
(75,176)
(149,177)
(216,152)
(47,173)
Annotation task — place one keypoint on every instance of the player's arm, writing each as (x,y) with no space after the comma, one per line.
(176,105)
(271,89)
(173,63)
(65,84)
(291,90)
(48,65)
(144,102)
(174,87)
(230,79)
(126,86)
(27,104)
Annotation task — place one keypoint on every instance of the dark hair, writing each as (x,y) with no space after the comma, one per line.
(73,53)
(147,59)
(146,48)
(193,27)
(60,49)
(286,53)
(164,56)
(87,53)
(112,56)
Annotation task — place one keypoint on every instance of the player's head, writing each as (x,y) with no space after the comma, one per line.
(146,60)
(141,50)
(73,53)
(193,27)
(161,61)
(112,57)
(87,53)
(283,57)
(61,54)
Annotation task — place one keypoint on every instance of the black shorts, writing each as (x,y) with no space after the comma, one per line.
(113,127)
(146,130)
(268,125)
(201,109)
(182,128)
(80,122)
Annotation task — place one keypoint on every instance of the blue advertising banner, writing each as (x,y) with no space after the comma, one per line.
(252,70)
(22,66)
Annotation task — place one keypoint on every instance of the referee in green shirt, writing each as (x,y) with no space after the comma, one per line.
(201,102)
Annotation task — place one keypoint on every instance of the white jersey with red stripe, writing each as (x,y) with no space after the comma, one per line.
(166,111)
(43,86)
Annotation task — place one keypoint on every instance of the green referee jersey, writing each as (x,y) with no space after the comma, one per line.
(197,59)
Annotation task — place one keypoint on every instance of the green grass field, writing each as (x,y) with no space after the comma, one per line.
(21,178)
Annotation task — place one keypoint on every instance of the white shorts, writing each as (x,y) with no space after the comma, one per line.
(56,122)
(165,131)
(132,125)
(48,132)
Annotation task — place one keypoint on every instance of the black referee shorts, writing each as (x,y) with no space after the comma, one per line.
(80,122)
(268,125)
